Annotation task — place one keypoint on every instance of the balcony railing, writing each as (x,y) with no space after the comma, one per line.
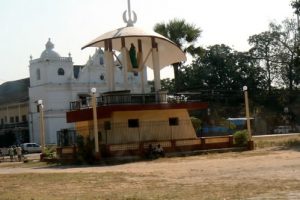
(38,60)
(127,98)
(14,125)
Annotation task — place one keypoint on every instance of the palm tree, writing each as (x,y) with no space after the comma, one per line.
(184,35)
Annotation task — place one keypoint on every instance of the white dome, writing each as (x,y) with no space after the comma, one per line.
(48,53)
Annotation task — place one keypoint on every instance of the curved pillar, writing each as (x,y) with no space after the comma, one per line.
(124,63)
(156,68)
(109,62)
(141,65)
(143,79)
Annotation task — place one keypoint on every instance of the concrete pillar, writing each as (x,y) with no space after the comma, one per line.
(156,67)
(143,79)
(125,63)
(109,62)
(140,62)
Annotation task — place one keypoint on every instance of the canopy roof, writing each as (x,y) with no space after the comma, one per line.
(169,52)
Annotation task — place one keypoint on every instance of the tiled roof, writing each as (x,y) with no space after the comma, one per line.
(14,91)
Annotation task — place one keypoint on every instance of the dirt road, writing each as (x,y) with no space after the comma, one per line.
(264,174)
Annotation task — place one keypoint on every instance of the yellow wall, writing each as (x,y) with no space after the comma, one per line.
(13,110)
(83,128)
(153,125)
(150,115)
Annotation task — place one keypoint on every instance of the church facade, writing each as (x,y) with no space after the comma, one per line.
(57,81)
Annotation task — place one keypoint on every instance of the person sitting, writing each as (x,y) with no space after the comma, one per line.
(159,151)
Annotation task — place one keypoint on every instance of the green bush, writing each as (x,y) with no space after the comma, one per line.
(196,123)
(240,138)
(50,152)
(85,151)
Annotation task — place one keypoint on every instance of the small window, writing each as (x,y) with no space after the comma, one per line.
(61,72)
(11,119)
(133,123)
(173,121)
(17,119)
(24,118)
(101,61)
(107,125)
(84,99)
(38,74)
(2,121)
(101,77)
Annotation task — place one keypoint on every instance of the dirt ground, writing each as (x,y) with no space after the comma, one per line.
(270,173)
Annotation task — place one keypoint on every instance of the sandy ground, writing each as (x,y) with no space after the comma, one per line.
(276,169)
(259,163)
(272,163)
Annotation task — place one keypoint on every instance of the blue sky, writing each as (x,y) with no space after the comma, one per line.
(26,25)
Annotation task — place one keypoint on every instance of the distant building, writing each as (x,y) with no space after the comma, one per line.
(56,81)
(14,127)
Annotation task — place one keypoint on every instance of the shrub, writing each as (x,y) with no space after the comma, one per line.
(240,138)
(50,152)
(196,123)
(85,150)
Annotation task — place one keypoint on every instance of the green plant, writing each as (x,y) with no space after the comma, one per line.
(49,152)
(286,141)
(240,138)
(86,148)
(196,123)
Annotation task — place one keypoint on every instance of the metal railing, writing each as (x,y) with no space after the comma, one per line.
(66,137)
(14,125)
(125,98)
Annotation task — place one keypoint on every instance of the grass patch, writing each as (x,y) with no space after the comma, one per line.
(131,186)
(29,164)
(291,141)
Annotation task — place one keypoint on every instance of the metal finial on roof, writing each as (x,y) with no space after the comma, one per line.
(129,21)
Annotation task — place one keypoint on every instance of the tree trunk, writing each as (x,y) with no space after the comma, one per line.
(290,77)
(269,75)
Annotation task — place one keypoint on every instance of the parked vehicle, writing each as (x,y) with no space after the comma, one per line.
(31,148)
(282,129)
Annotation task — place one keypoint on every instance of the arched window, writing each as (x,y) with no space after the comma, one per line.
(38,74)
(101,60)
(61,72)
(101,77)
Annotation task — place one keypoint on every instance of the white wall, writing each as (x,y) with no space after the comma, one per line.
(58,91)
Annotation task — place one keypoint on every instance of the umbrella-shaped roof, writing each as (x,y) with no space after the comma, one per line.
(169,52)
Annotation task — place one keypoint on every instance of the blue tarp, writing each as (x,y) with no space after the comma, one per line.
(215,129)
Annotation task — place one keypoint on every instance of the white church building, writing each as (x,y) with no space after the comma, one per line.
(57,81)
